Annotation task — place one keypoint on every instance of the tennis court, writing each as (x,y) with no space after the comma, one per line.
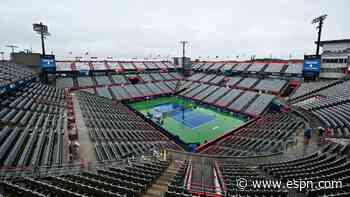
(189,117)
(192,119)
(191,122)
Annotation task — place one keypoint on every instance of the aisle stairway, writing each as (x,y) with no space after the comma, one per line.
(160,186)
(87,151)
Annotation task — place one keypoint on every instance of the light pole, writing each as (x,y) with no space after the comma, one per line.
(13,47)
(42,30)
(319,20)
(183,42)
(183,53)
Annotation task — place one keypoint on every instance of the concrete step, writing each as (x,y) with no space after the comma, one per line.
(157,189)
(171,171)
(166,174)
(161,184)
(152,195)
(163,181)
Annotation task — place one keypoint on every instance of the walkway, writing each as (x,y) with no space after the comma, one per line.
(87,150)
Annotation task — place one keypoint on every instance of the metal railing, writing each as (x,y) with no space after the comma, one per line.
(252,160)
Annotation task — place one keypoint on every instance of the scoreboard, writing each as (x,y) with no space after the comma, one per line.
(312,63)
(48,63)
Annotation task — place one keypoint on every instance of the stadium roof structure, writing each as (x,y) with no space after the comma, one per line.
(334,41)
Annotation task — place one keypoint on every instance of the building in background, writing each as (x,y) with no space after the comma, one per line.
(44,65)
(26,58)
(334,58)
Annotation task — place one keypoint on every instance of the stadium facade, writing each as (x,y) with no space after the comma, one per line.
(80,136)
(335,57)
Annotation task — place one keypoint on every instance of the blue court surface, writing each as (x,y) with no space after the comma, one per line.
(188,117)
(167,107)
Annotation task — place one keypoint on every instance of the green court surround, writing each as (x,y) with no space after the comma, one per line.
(223,122)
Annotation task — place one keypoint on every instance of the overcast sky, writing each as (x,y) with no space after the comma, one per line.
(140,28)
